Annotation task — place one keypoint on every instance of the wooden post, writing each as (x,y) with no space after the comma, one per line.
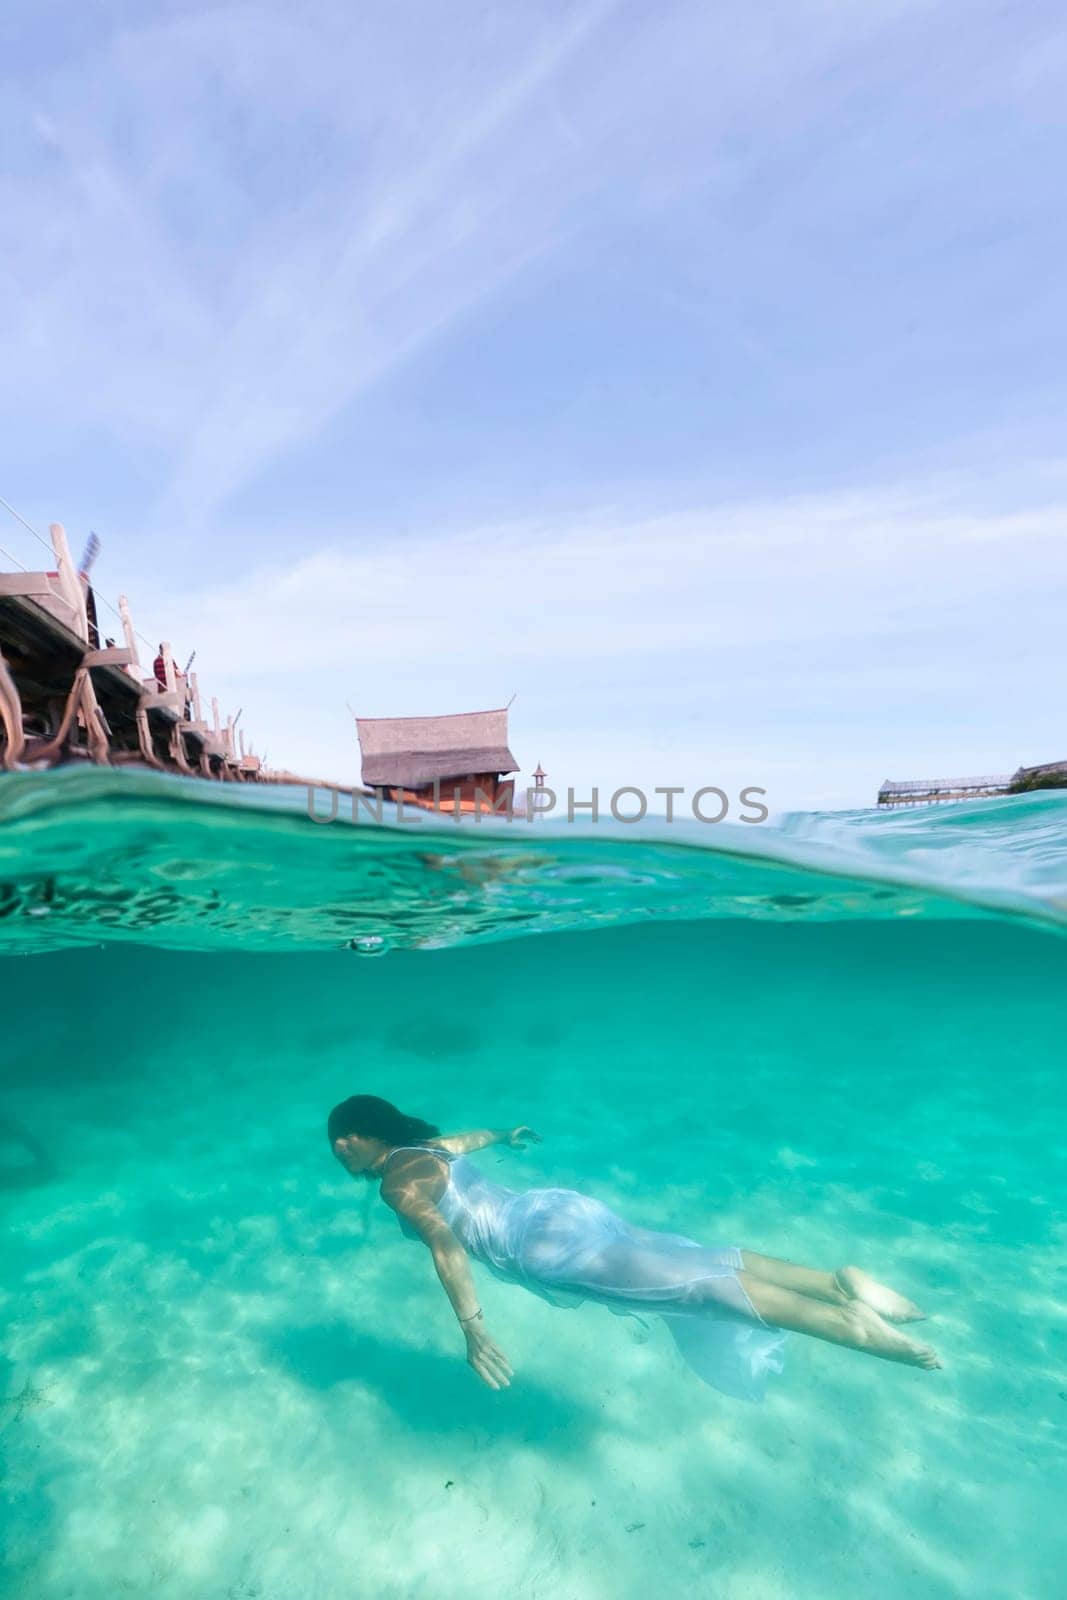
(229,736)
(83,695)
(215,714)
(69,581)
(97,732)
(195,688)
(144,739)
(10,716)
(177,750)
(134,668)
(168,667)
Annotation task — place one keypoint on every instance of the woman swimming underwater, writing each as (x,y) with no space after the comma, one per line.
(728,1309)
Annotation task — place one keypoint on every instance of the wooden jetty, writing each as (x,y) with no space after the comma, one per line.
(934,791)
(64,697)
(450,763)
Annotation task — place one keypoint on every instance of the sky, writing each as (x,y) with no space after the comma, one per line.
(693,373)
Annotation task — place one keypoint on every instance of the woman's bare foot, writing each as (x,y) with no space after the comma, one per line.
(879,1339)
(857,1285)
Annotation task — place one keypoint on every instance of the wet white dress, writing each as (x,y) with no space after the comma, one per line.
(569,1248)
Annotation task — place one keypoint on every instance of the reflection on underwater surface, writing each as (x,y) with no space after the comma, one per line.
(91,856)
(221,1374)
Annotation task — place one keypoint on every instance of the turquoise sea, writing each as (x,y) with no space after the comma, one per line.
(225,1374)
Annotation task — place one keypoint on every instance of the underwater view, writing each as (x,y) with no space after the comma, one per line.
(225,1369)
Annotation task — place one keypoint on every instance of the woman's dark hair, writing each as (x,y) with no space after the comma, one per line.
(371,1118)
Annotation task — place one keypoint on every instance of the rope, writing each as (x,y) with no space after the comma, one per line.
(28,526)
(10,557)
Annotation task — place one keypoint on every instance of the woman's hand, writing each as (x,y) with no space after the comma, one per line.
(487,1358)
(518,1138)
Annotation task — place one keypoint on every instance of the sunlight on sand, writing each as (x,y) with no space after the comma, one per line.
(219,1378)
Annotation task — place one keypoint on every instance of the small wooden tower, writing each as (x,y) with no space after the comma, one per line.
(449,762)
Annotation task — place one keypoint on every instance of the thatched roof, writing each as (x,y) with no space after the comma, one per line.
(405,752)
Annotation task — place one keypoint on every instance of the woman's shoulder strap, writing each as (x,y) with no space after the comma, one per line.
(424,1149)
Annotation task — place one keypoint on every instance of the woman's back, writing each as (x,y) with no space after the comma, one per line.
(478,1211)
(475,1208)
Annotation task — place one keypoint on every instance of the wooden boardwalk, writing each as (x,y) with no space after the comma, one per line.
(66,697)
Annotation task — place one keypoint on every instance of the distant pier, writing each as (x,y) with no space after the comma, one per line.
(934,791)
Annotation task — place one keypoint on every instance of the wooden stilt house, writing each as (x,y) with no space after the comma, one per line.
(442,762)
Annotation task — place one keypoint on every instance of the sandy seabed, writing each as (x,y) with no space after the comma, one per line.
(224,1374)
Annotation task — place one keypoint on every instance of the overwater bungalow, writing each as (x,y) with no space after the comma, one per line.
(460,761)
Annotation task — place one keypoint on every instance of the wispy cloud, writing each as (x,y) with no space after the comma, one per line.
(609,255)
(221,226)
(349,294)
(229,308)
(799,640)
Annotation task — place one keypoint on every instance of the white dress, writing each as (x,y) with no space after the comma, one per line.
(568,1248)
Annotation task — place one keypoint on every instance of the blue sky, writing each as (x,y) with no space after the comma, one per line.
(694,372)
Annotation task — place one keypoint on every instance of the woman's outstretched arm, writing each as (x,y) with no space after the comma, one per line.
(462,1144)
(410,1194)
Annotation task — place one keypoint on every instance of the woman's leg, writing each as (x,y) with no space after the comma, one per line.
(853,1324)
(836,1288)
(787,1275)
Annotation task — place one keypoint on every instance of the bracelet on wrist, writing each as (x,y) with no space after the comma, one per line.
(472,1318)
